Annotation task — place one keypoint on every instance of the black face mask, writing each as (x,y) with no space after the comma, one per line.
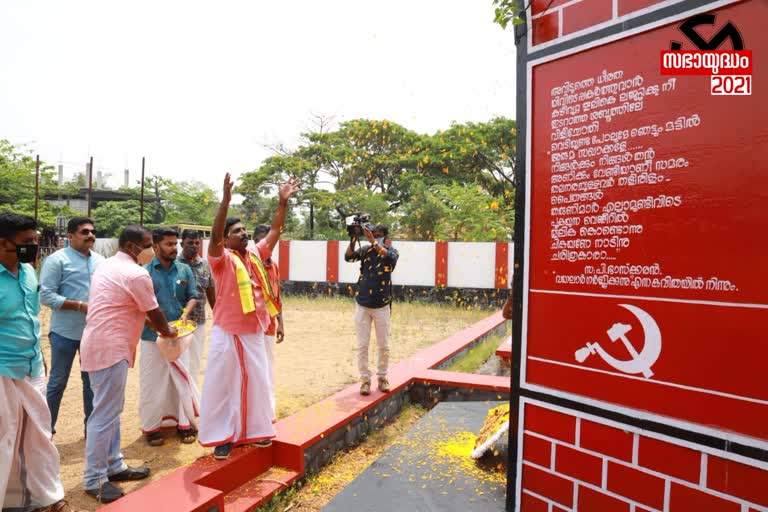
(27,253)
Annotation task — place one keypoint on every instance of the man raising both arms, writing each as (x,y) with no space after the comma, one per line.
(235,404)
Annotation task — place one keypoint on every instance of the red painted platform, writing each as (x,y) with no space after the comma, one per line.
(251,476)
(504,352)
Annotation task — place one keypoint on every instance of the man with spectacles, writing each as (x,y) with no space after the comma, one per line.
(65,281)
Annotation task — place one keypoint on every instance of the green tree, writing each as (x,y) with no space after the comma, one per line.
(374,155)
(189,202)
(400,177)
(471,214)
(509,11)
(310,162)
(157,188)
(260,210)
(112,216)
(17,185)
(423,214)
(481,153)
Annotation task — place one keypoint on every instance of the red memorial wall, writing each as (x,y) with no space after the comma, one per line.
(643,346)
(648,283)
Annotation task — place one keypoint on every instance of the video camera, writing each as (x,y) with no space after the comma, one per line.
(357,222)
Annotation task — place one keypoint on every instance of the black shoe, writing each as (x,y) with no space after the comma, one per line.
(222,452)
(188,435)
(107,494)
(130,474)
(155,438)
(263,444)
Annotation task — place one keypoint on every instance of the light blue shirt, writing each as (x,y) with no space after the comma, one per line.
(20,354)
(67,274)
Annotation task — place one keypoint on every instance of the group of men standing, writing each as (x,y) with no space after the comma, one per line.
(101,310)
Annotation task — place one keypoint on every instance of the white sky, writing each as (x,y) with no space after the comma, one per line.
(199,87)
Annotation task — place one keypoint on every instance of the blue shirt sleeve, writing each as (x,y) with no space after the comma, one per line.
(50,280)
(391,256)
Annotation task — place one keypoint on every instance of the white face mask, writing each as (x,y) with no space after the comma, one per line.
(380,241)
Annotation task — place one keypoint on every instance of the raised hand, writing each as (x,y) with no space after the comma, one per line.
(369,235)
(227,192)
(290,188)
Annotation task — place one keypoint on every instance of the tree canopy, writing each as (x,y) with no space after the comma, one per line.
(456,184)
(17,185)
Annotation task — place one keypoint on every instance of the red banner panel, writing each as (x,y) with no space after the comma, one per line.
(648,266)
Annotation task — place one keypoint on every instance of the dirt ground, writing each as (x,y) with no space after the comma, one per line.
(316,359)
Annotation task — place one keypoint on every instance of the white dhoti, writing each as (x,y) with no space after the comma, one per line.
(29,462)
(196,350)
(236,390)
(168,396)
(269,344)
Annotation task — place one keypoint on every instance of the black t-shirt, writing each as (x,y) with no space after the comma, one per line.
(374,284)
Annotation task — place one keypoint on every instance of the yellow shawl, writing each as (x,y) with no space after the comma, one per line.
(245,285)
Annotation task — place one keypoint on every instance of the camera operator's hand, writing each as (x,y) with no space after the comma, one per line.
(369,235)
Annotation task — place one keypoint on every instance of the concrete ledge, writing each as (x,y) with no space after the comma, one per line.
(504,352)
(308,439)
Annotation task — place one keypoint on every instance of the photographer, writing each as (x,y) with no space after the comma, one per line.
(374,296)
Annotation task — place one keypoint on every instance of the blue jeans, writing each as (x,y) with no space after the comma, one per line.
(63,352)
(102,445)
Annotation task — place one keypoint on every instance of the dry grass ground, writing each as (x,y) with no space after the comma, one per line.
(316,360)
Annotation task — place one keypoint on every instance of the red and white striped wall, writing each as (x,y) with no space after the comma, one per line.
(446,264)
(574,461)
(451,264)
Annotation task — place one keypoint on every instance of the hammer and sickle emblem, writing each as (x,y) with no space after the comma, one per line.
(688,27)
(639,362)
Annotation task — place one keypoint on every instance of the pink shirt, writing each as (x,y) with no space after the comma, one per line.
(228,312)
(121,293)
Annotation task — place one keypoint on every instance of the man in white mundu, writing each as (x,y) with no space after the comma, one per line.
(168,394)
(235,405)
(276,331)
(191,241)
(29,462)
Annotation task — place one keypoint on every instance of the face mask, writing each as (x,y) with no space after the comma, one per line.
(143,254)
(27,253)
(380,241)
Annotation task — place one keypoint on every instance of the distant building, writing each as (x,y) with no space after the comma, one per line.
(79,202)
